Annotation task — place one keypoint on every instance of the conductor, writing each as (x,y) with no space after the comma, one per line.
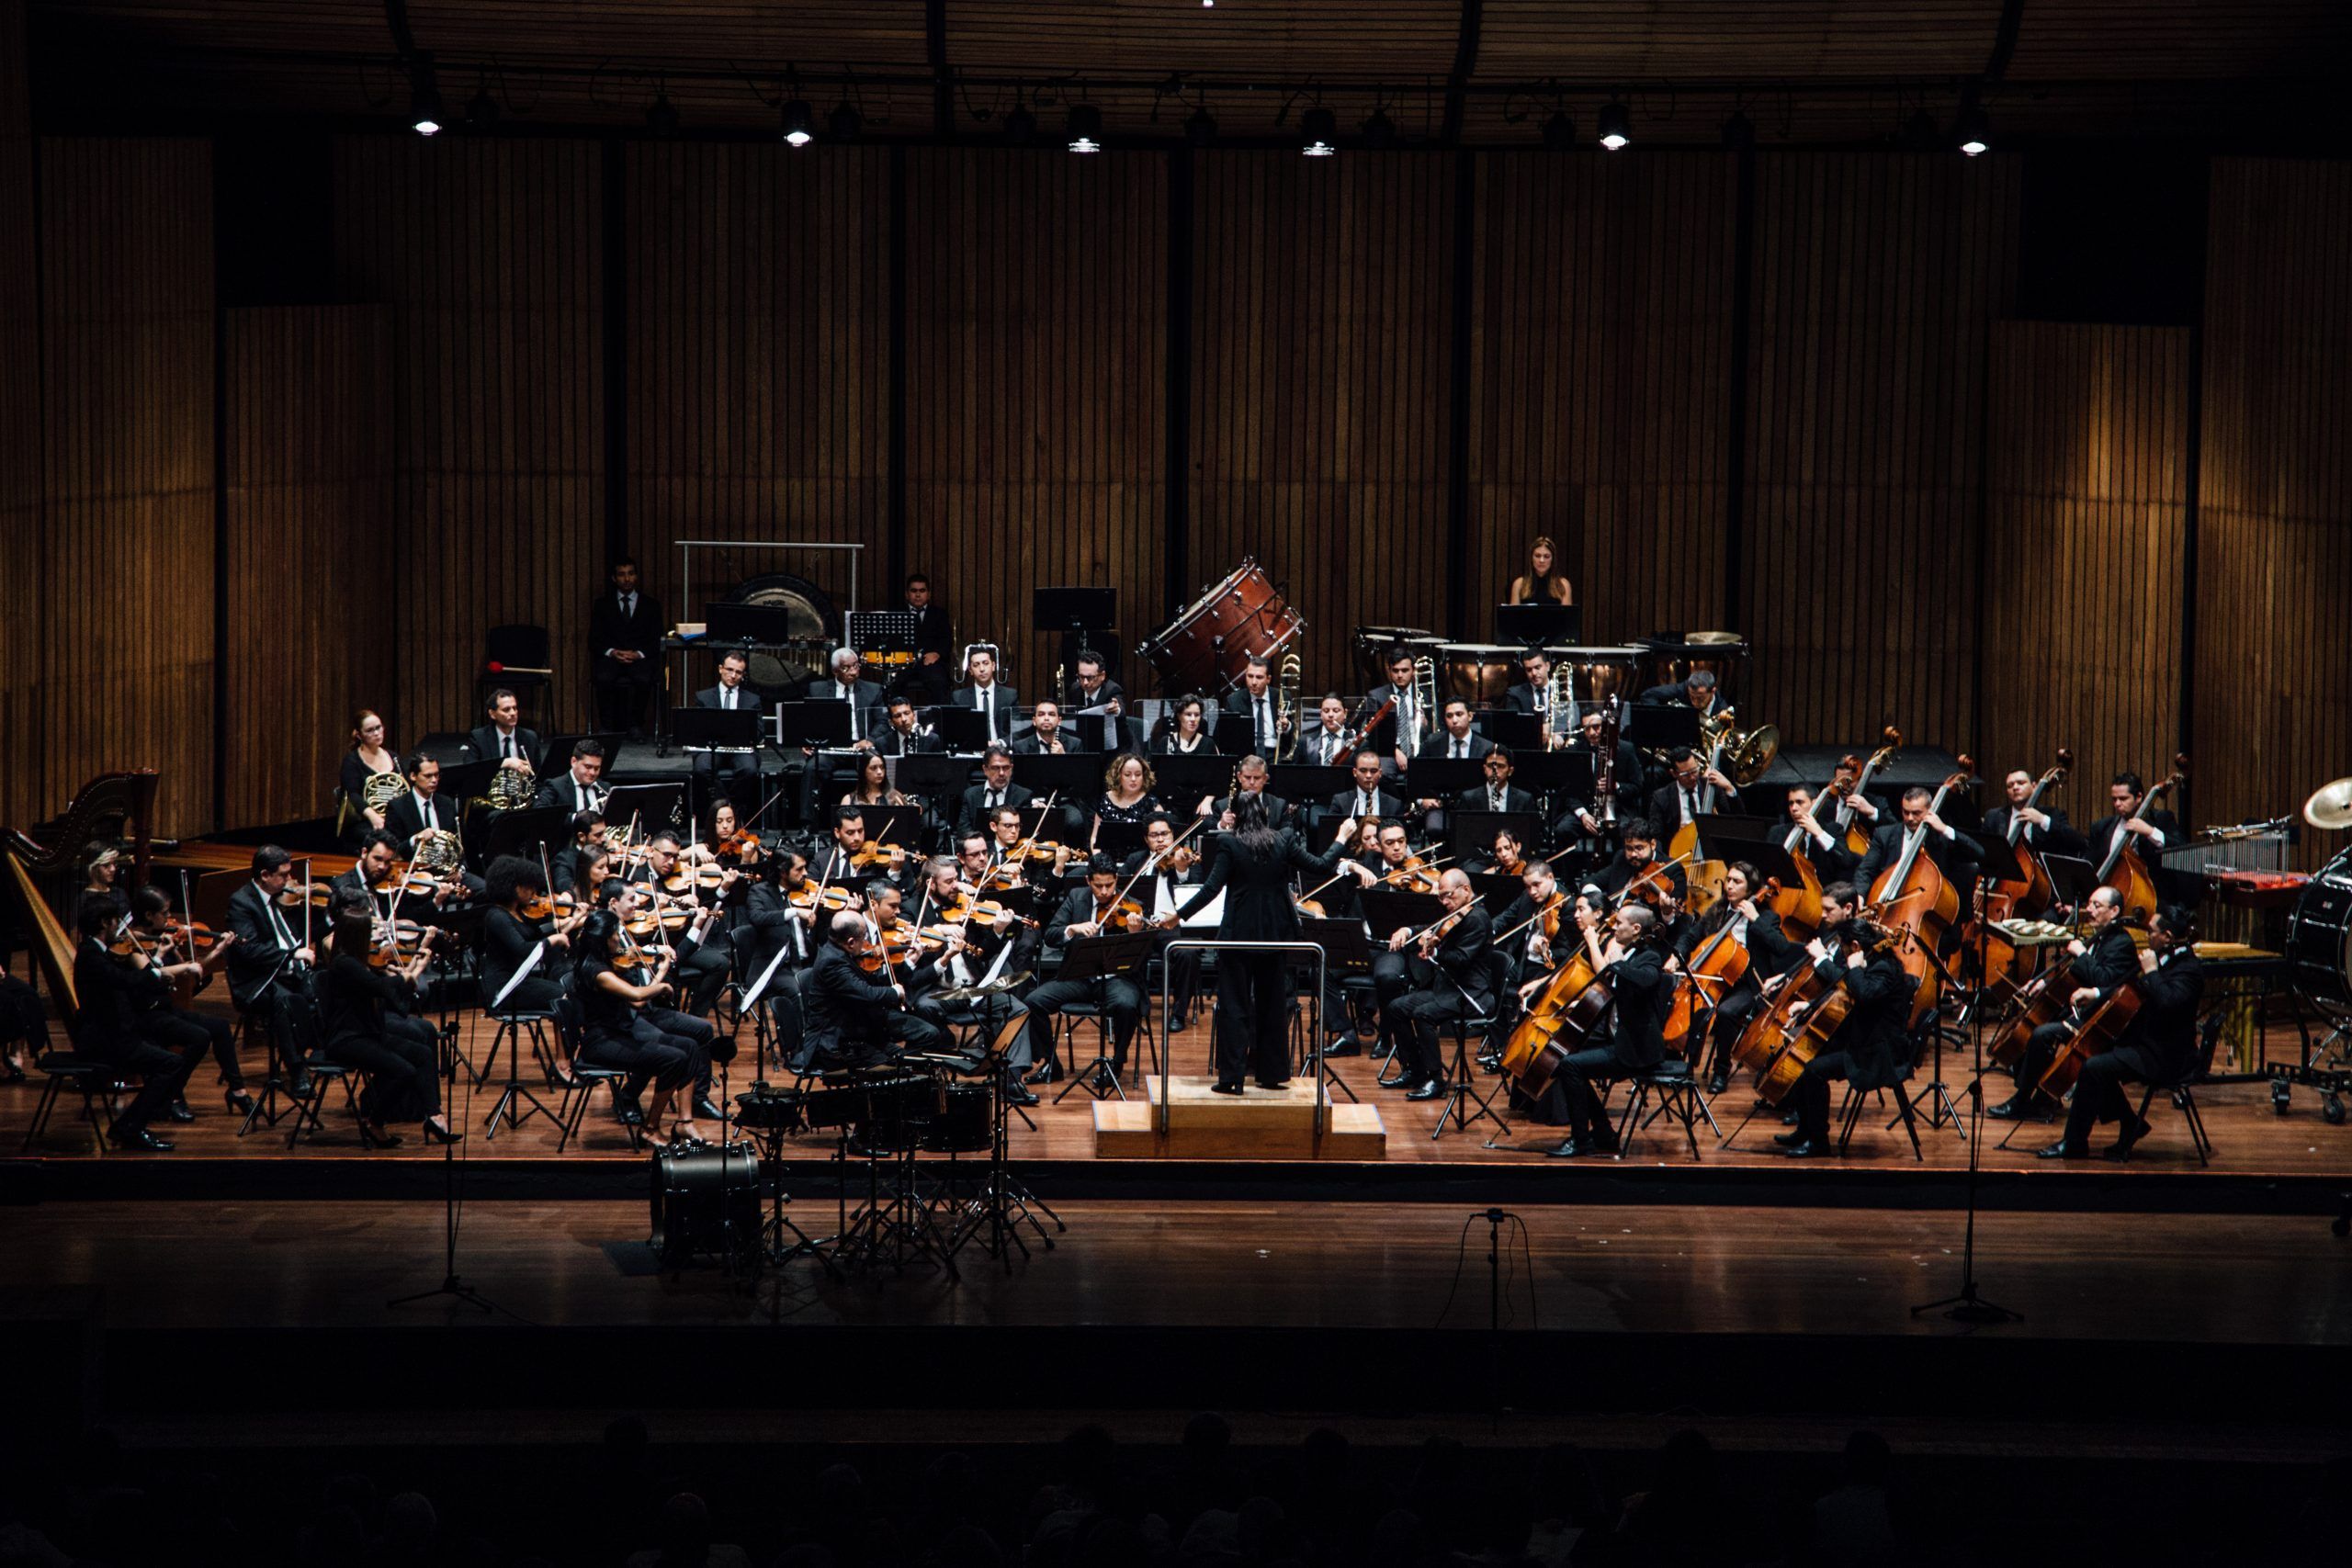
(1252,868)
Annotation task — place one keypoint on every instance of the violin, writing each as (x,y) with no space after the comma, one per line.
(400,941)
(741,846)
(1122,915)
(968,909)
(901,943)
(1652,887)
(1416,875)
(708,876)
(549,907)
(835,896)
(878,853)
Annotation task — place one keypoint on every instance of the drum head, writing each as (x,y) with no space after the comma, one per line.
(2319,938)
(811,619)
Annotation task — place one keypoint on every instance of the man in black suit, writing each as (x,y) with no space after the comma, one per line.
(2094,970)
(1691,790)
(272,957)
(2149,831)
(1330,744)
(1411,723)
(995,788)
(1082,913)
(421,808)
(1533,694)
(1873,1045)
(1495,793)
(854,1019)
(1823,847)
(578,787)
(736,772)
(1637,841)
(1094,688)
(846,683)
(926,678)
(987,694)
(1254,719)
(114,993)
(1633,963)
(624,628)
(2043,832)
(1250,774)
(1047,737)
(503,740)
(1457,740)
(1627,778)
(900,733)
(1367,802)
(1697,691)
(2158,1046)
(1955,853)
(1455,978)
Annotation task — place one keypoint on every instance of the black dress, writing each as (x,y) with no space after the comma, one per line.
(1253,871)
(367,1030)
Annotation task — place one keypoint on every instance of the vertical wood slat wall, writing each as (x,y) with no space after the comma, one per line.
(489,255)
(758,363)
(1035,388)
(308,471)
(2086,535)
(1321,377)
(1602,368)
(126,557)
(21,794)
(2274,554)
(1876,281)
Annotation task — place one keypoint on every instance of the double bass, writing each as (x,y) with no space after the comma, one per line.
(1914,897)
(1856,837)
(1717,966)
(1561,1019)
(2014,898)
(2123,870)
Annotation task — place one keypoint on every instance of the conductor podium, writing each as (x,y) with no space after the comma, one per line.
(1286,1123)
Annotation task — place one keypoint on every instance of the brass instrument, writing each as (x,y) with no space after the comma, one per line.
(1751,751)
(1286,707)
(1607,782)
(381,790)
(1425,709)
(1555,701)
(437,851)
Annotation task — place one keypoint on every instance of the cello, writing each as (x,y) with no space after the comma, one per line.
(1856,837)
(2123,870)
(1561,1020)
(1719,964)
(1913,896)
(1799,1021)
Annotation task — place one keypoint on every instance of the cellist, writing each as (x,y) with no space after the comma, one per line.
(1873,1042)
(2107,961)
(1632,963)
(2157,1046)
(1955,853)
(1770,953)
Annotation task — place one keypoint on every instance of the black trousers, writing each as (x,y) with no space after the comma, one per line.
(162,1075)
(1252,1016)
(533,995)
(1574,1079)
(403,1071)
(1730,1019)
(648,1053)
(23,1020)
(2098,1092)
(2041,1050)
(1120,999)
(989,1014)
(621,693)
(1811,1093)
(192,1034)
(1411,1024)
(704,974)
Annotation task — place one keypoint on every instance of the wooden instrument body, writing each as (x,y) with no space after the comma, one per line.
(2098,1033)
(1719,964)
(1560,1020)
(1777,1049)
(2047,1004)
(2133,884)
(1799,907)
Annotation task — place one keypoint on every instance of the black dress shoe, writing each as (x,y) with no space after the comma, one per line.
(1807,1148)
(2121,1148)
(1717,1083)
(2008,1109)
(240,1101)
(435,1136)
(143,1140)
(1787,1139)
(1574,1148)
(2062,1149)
(1431,1090)
(1274,1083)
(705,1109)
(1019,1094)
(1046,1072)
(182,1112)
(1342,1045)
(1222,1088)
(299,1086)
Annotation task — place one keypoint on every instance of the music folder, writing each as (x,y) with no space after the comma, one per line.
(715,729)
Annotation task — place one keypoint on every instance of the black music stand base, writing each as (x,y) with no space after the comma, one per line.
(451,1285)
(1461,1085)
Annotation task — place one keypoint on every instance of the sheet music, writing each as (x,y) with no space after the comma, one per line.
(1209,914)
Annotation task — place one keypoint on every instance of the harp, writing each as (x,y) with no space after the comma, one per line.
(36,868)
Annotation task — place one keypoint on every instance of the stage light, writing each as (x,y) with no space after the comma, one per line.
(845,124)
(1200,129)
(1739,132)
(1319,132)
(1976,131)
(1616,130)
(662,116)
(1559,131)
(1021,126)
(424,103)
(797,124)
(1379,131)
(1084,128)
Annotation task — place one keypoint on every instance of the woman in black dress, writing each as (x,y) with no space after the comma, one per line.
(1184,729)
(364,1011)
(371,754)
(1126,791)
(1540,585)
(1253,868)
(618,1030)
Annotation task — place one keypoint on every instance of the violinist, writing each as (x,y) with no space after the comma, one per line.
(1094,909)
(1955,853)
(705,955)
(835,862)
(510,936)
(273,953)
(854,1018)
(2150,829)
(114,993)
(1010,866)
(773,919)
(1823,848)
(623,1027)
(1367,802)
(1396,866)
(1451,977)
(1638,862)
(1184,728)
(157,945)
(1164,873)
(1770,953)
(2094,970)
(995,789)
(1250,780)
(1874,1041)
(1505,857)
(369,1027)
(2043,832)
(1641,993)
(2158,1046)
(722,844)
(379,852)
(970,954)
(1534,920)
(1693,791)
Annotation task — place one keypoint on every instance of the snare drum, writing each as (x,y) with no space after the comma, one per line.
(961,1122)
(1204,648)
(705,1199)
(2319,937)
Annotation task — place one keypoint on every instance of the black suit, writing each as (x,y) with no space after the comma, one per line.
(853,1017)
(890,741)
(2102,836)
(562,790)
(2108,960)
(1030,745)
(1664,807)
(1673,695)
(486,744)
(867,697)
(928,682)
(736,772)
(1277,809)
(1349,803)
(113,996)
(622,689)
(260,963)
(1313,750)
(1253,989)
(1005,700)
(2158,1046)
(1075,696)
(506,944)
(404,818)
(1955,856)
(970,815)
(1873,1045)
(1237,732)
(1442,745)
(2058,838)
(1641,994)
(1460,983)
(1408,741)
(1832,861)
(1120,998)
(1514,799)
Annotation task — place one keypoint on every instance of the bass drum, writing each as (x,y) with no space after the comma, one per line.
(705,1199)
(812,624)
(1204,648)
(2319,937)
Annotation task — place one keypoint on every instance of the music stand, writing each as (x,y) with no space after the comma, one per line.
(716,729)
(1186,780)
(1386,908)
(1661,727)
(1533,625)
(732,625)
(653,806)
(555,752)
(521,832)
(1470,830)
(1103,958)
(2071,880)
(1347,955)
(898,825)
(1756,840)
(1075,778)
(821,723)
(1308,783)
(937,778)
(463,780)
(1442,778)
(1118,840)
(1496,890)
(1556,772)
(1522,732)
(1086,609)
(965,729)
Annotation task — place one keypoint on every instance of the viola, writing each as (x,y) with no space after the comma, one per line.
(1653,886)
(1123,915)
(966,909)
(1416,875)
(743,847)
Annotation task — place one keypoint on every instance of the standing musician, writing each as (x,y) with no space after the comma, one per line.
(502,738)
(624,628)
(368,1028)
(2151,831)
(1094,688)
(1183,727)
(411,816)
(1367,802)
(1413,721)
(1451,977)
(735,772)
(1769,953)
(2098,966)
(114,993)
(2158,1046)
(1641,993)
(1255,722)
(1045,738)
(371,754)
(1249,777)
(1538,583)
(995,789)
(1955,853)
(1091,911)
(902,734)
(1496,795)
(987,695)
(934,644)
(1873,1042)
(1685,797)
(1696,690)
(577,788)
(1457,740)
(622,1027)
(273,953)
(854,1019)
(1823,848)
(2045,832)
(165,1022)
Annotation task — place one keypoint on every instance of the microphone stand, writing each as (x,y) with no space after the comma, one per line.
(1968,1305)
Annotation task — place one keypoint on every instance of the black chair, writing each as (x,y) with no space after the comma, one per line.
(520,651)
(87,1076)
(2184,1095)
(302,1038)
(572,1109)
(1850,1115)
(1669,1090)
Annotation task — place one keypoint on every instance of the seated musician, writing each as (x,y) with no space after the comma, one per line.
(410,815)
(1583,819)
(1367,802)
(1094,688)
(1045,738)
(1955,853)
(509,938)
(2093,971)
(1532,949)
(844,682)
(502,738)
(1087,911)
(873,786)
(273,953)
(1504,857)
(704,962)
(1328,746)
(1412,721)
(101,871)
(835,860)
(1540,585)
(1497,793)
(364,1017)
(1873,1044)
(1823,848)
(1255,722)
(1638,843)
(2150,830)
(734,775)
(901,733)
(1250,777)
(853,1018)
(1693,791)
(1633,964)
(982,945)
(1394,865)
(1126,795)
(2158,1046)
(114,993)
(379,853)
(1533,694)
(1769,953)
(623,1025)
(371,754)
(1183,727)
(995,788)
(1013,860)
(1451,978)
(1165,875)
(2045,832)
(177,1029)
(1696,690)
(580,787)
(1456,740)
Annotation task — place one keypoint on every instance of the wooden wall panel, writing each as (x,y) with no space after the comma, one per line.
(758,362)
(489,253)
(2274,562)
(2085,550)
(21,509)
(1322,330)
(1601,359)
(308,466)
(1037,299)
(127,563)
(1877,278)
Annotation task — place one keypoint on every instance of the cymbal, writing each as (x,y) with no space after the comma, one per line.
(1713,639)
(2330,806)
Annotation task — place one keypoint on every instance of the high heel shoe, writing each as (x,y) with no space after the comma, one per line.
(240,1102)
(438,1135)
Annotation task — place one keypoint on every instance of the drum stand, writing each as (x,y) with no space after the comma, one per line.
(895,1224)
(1004,1203)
